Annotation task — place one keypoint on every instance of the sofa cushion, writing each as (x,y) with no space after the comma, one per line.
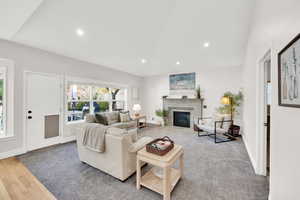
(112,117)
(101,118)
(125,125)
(124,117)
(89,118)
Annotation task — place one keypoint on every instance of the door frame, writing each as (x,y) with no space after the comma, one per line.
(61,113)
(261,136)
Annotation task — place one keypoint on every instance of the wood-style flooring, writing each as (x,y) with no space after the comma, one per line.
(17,183)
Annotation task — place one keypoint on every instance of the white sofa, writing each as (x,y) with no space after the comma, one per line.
(119,158)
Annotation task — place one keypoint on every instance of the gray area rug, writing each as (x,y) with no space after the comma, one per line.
(212,172)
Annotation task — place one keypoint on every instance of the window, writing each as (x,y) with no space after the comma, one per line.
(78,101)
(2,102)
(118,96)
(83,99)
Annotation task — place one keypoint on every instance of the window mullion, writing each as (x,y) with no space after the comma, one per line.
(91,100)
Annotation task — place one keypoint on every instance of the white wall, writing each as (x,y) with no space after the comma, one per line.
(213,83)
(32,59)
(275,24)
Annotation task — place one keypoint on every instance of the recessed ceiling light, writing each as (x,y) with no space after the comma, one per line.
(177,63)
(80,32)
(206,44)
(143,61)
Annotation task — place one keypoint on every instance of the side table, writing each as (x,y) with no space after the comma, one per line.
(171,175)
(138,121)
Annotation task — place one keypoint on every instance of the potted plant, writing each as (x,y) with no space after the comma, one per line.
(198,92)
(163,114)
(236,100)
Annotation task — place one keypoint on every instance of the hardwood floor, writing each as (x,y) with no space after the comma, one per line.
(17,183)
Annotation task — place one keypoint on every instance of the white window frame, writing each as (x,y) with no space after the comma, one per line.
(3,75)
(7,69)
(91,83)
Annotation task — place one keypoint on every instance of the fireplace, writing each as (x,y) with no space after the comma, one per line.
(181,119)
(191,108)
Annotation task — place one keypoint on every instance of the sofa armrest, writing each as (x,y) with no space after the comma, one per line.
(138,145)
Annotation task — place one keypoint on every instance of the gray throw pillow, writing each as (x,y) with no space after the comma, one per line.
(101,118)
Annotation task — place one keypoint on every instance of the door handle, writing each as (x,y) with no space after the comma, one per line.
(29,117)
(266,124)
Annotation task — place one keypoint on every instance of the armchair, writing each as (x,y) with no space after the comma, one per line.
(217,128)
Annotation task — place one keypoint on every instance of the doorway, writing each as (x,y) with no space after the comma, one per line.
(42,107)
(264,115)
(267,109)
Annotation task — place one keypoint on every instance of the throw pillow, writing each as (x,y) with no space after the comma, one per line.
(112,117)
(101,118)
(124,117)
(217,117)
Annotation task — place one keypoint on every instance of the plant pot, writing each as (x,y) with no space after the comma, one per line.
(166,121)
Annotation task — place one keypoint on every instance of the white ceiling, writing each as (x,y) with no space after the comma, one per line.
(13,14)
(118,33)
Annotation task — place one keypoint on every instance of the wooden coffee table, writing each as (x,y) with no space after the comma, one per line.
(171,175)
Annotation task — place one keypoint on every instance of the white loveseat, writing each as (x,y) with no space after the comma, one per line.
(119,157)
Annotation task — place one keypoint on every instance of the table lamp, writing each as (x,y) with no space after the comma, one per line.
(136,108)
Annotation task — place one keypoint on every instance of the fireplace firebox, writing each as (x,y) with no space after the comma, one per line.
(181,119)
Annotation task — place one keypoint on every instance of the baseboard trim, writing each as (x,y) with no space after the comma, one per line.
(20,151)
(68,139)
(11,153)
(253,162)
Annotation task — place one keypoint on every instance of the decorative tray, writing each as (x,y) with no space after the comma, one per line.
(160,146)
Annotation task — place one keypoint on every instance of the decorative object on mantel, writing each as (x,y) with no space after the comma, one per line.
(198,92)
(163,114)
(137,108)
(289,74)
(184,81)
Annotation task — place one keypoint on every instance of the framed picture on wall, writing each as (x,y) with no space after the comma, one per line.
(184,81)
(289,74)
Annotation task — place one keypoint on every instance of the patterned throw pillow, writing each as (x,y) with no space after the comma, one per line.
(124,117)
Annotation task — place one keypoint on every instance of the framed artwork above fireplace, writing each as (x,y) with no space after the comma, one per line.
(185,81)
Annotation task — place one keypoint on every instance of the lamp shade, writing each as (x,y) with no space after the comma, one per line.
(225,100)
(136,107)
